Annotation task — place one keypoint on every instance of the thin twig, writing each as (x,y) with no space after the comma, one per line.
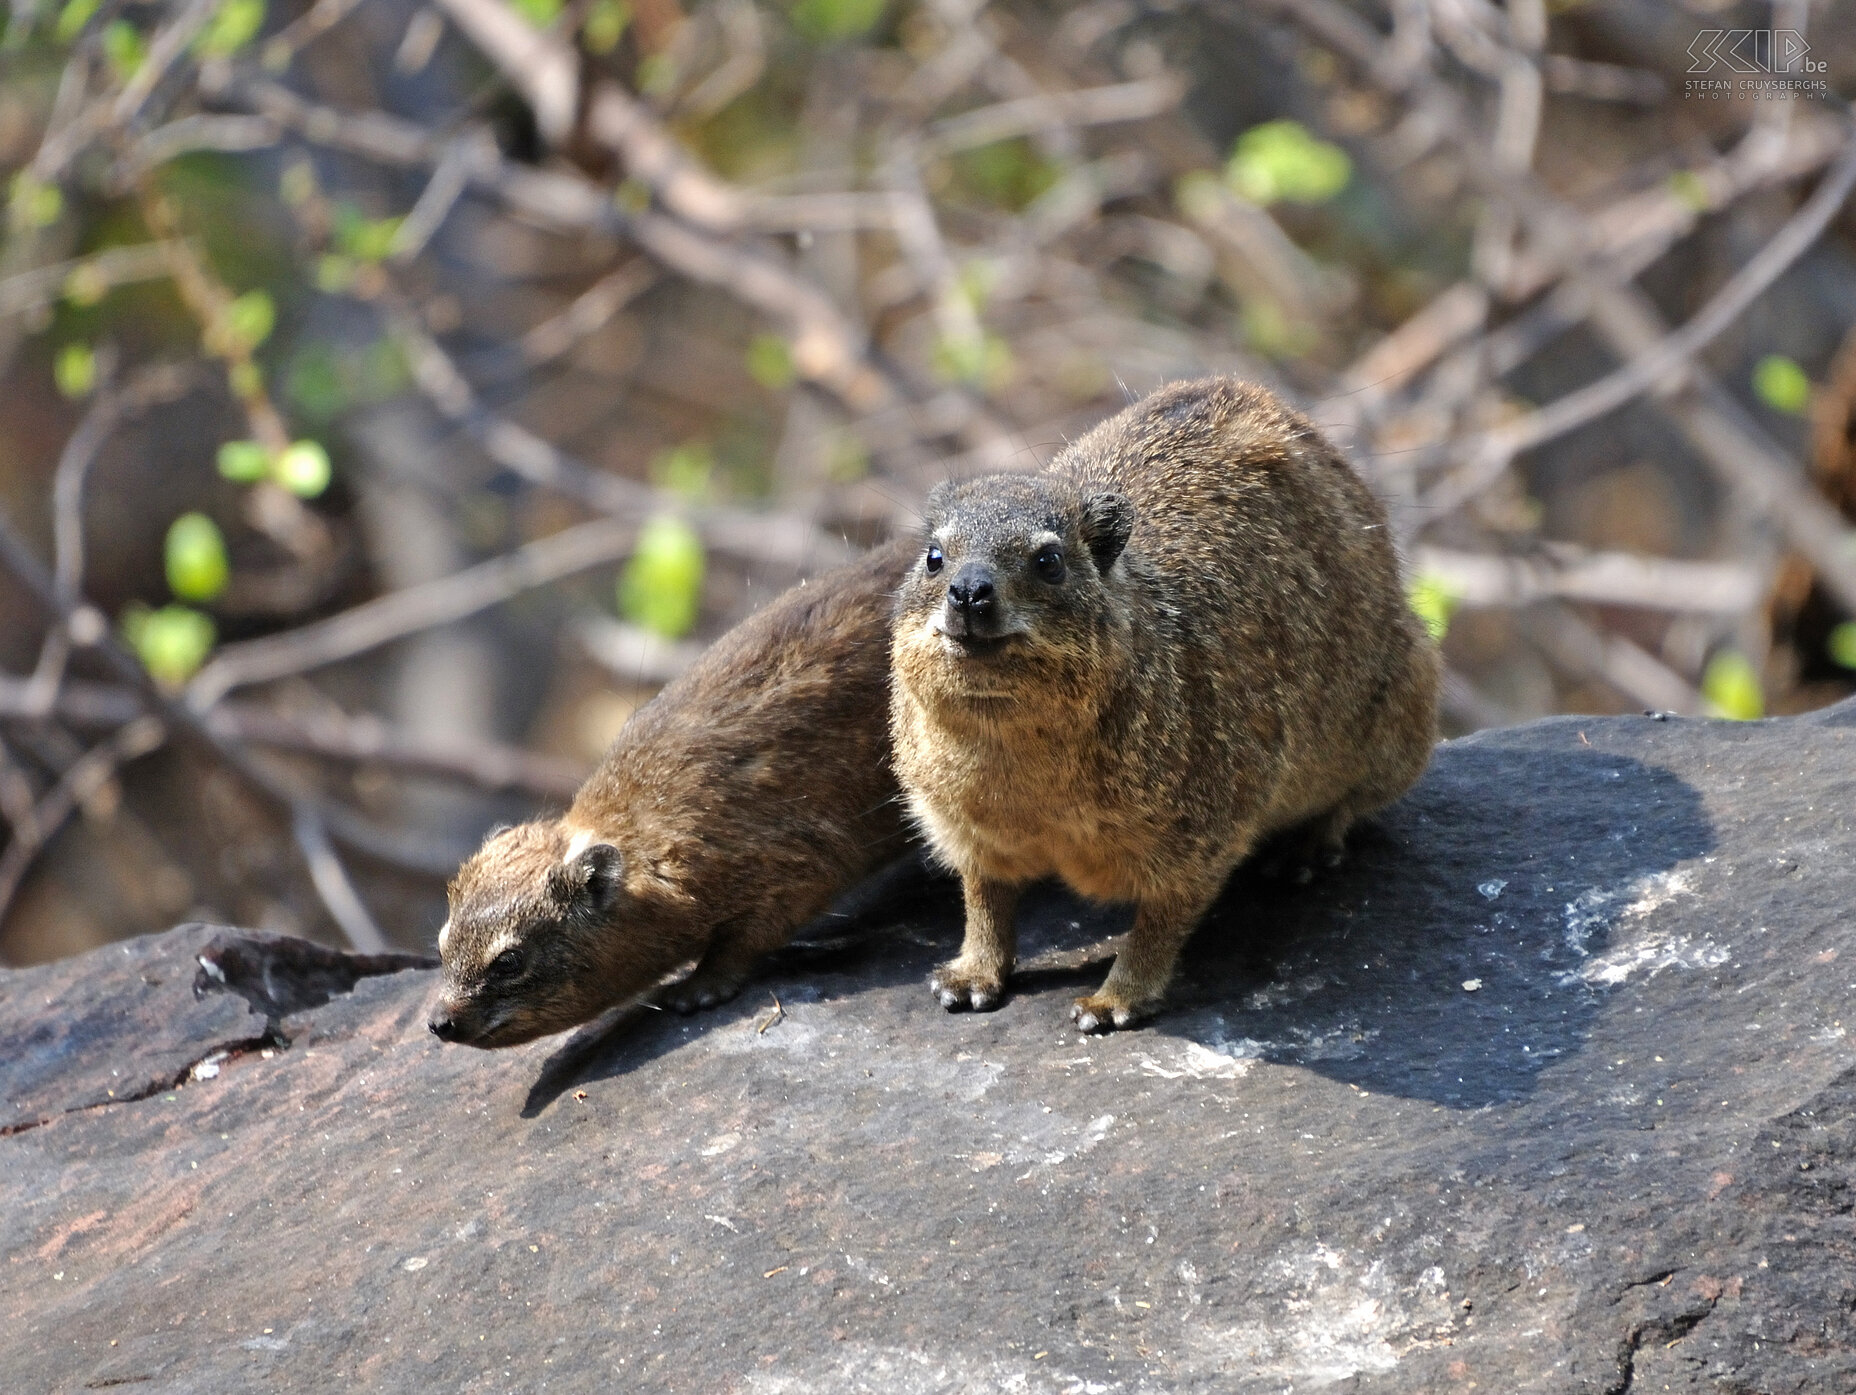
(330,878)
(88,774)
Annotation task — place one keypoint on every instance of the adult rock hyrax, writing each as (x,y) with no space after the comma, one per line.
(729,811)
(1185,636)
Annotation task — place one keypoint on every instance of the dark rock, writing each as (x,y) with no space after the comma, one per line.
(1548,1090)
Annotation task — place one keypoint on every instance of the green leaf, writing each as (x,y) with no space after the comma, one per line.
(250,319)
(661,586)
(124,48)
(1434,599)
(1008,173)
(1281,161)
(688,469)
(824,21)
(632,196)
(86,285)
(75,370)
(1781,384)
(362,238)
(983,361)
(246,378)
(540,13)
(1691,189)
(606,21)
(171,642)
(236,24)
(32,204)
(657,74)
(73,17)
(770,362)
(1731,686)
(247,462)
(1841,645)
(196,558)
(303,469)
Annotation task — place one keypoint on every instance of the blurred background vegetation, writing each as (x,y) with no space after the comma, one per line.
(398,393)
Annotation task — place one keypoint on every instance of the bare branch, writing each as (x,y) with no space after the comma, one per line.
(330,878)
(1563,572)
(83,779)
(401,613)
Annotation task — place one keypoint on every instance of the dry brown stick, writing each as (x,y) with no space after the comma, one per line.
(828,349)
(1633,232)
(1562,572)
(359,740)
(113,266)
(1023,116)
(1622,315)
(1629,668)
(406,612)
(782,540)
(331,881)
(590,311)
(1669,357)
(84,778)
(545,71)
(403,850)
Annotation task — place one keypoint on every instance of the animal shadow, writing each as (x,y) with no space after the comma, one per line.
(1449,959)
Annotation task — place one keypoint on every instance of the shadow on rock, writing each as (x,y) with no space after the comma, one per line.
(892,928)
(1460,952)
(1455,956)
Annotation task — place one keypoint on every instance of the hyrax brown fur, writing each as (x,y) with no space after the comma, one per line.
(730,810)
(1185,636)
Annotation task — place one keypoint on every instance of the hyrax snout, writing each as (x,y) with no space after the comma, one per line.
(1185,636)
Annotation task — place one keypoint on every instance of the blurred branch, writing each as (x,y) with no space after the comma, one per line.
(87,775)
(783,540)
(1617,310)
(1660,365)
(410,850)
(1563,572)
(545,72)
(330,878)
(1089,106)
(355,740)
(402,613)
(98,273)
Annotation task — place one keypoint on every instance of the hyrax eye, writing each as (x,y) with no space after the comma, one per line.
(507,965)
(933,561)
(1048,564)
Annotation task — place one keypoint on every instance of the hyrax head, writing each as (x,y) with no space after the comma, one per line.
(522,947)
(1013,579)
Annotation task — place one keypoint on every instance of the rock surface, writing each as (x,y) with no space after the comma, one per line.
(1549,1090)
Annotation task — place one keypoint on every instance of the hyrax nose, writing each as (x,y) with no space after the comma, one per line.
(443,1025)
(971,591)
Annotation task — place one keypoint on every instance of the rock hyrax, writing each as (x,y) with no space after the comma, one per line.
(1187,635)
(731,809)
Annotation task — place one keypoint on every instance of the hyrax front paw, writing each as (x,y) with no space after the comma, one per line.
(697,992)
(958,987)
(1103,1012)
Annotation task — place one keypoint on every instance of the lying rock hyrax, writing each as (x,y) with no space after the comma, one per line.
(731,809)
(1186,635)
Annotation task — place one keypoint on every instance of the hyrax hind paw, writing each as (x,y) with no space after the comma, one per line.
(957,988)
(1101,1013)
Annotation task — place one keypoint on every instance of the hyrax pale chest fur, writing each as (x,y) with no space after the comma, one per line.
(731,809)
(1187,635)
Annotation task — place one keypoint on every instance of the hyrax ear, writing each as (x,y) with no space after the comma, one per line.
(1108,518)
(591,878)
